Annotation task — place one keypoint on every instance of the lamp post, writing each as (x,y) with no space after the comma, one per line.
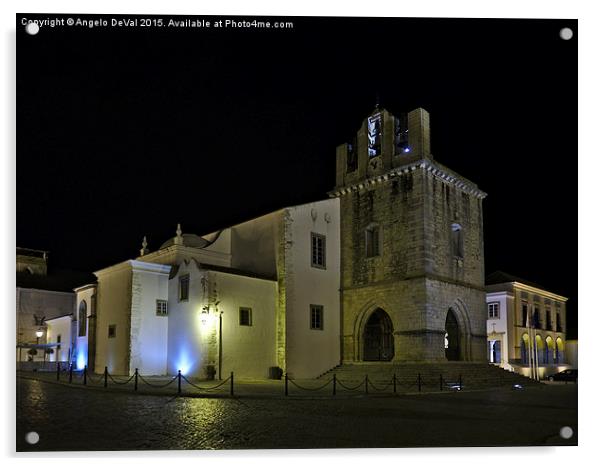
(39,334)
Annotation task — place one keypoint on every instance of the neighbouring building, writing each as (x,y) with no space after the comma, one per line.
(43,295)
(389,268)
(526,327)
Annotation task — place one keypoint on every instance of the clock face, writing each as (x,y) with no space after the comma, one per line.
(374,135)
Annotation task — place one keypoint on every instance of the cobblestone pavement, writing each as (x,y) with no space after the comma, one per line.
(72,418)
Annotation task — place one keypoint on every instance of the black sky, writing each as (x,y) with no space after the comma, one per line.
(125,132)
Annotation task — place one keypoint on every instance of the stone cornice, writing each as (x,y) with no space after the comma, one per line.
(435,169)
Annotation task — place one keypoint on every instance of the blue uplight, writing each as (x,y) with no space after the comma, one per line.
(406,149)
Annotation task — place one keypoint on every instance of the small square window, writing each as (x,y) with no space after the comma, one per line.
(494,310)
(318,251)
(161,307)
(184,288)
(316,316)
(112,331)
(244,316)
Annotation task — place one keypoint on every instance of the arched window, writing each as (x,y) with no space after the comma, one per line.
(559,351)
(83,318)
(457,240)
(549,351)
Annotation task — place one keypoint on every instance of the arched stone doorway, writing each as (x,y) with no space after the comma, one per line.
(378,337)
(452,337)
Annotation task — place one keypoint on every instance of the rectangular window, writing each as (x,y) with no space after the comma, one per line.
(318,251)
(494,310)
(184,286)
(161,307)
(245,316)
(112,331)
(525,308)
(316,317)
(558,323)
(548,319)
(373,241)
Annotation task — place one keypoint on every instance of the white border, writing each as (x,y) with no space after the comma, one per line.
(590,107)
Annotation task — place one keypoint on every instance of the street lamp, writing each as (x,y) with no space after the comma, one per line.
(39,334)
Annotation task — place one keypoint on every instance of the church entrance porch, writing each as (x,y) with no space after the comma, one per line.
(378,337)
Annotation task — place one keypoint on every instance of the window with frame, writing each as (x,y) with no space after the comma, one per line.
(82,318)
(525,309)
(316,317)
(494,310)
(318,251)
(184,288)
(112,331)
(245,316)
(373,241)
(536,320)
(161,307)
(558,323)
(548,319)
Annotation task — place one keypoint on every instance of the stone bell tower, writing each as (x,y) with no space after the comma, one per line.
(411,247)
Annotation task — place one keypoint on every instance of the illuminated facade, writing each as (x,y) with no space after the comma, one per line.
(260,295)
(526,327)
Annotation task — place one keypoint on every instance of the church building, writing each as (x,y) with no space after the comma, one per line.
(389,268)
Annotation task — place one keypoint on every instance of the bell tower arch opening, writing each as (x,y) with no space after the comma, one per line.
(378,337)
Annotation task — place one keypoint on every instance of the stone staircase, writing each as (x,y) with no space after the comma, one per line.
(472,374)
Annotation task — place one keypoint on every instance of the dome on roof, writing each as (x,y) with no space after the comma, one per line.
(189,240)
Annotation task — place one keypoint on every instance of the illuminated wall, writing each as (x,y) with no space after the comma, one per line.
(497,328)
(148,331)
(114,297)
(310,352)
(55,327)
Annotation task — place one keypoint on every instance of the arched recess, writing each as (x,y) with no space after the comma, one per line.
(359,324)
(377,337)
(458,314)
(524,349)
(539,345)
(548,356)
(559,351)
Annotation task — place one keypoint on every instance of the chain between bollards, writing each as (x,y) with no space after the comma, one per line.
(285,384)
(136,380)
(231,383)
(106,376)
(70,373)
(85,375)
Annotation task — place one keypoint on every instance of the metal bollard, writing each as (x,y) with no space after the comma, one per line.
(419,383)
(179,381)
(70,373)
(58,371)
(394,383)
(334,385)
(85,375)
(106,376)
(136,380)
(231,383)
(285,384)
(440,383)
(366,384)
(460,381)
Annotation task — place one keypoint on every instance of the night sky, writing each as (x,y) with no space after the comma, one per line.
(125,132)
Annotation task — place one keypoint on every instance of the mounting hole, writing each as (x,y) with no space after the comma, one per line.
(32,437)
(566,33)
(32,28)
(566,432)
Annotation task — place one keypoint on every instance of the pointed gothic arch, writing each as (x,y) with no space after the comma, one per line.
(377,337)
(457,319)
